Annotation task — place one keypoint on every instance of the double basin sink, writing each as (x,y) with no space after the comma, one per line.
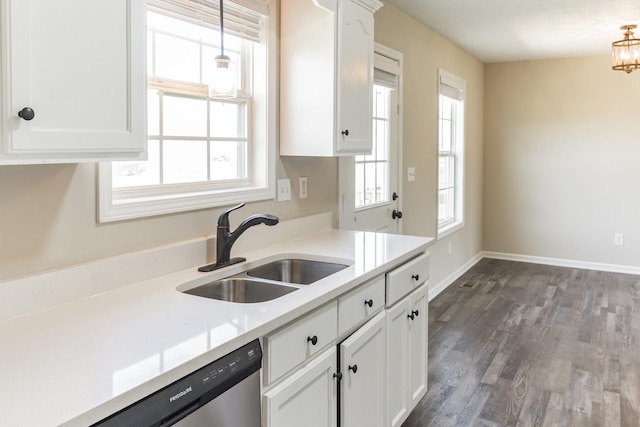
(268,281)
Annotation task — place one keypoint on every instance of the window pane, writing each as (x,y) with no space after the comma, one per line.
(445,107)
(445,205)
(184,116)
(381,183)
(177,59)
(227,160)
(360,193)
(225,120)
(184,161)
(381,141)
(153,112)
(370,183)
(381,102)
(132,174)
(445,135)
(446,172)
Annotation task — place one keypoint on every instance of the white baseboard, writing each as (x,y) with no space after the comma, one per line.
(560,262)
(444,284)
(614,268)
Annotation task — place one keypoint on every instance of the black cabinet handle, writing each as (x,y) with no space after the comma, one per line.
(27,113)
(338,376)
(396,214)
(416,312)
(395,196)
(369,303)
(353,368)
(313,339)
(415,277)
(345,132)
(411,316)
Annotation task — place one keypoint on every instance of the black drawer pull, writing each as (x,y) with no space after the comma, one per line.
(415,277)
(353,368)
(369,303)
(313,339)
(338,376)
(416,312)
(411,316)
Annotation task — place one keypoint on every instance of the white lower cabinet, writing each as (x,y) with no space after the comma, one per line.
(307,397)
(407,322)
(363,368)
(371,359)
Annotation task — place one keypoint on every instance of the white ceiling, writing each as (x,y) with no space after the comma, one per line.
(515,30)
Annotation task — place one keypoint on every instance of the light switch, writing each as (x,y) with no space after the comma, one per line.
(411,174)
(284,190)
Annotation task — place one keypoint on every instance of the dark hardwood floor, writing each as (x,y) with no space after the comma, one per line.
(517,344)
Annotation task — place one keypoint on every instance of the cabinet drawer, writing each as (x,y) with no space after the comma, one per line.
(293,344)
(358,305)
(407,277)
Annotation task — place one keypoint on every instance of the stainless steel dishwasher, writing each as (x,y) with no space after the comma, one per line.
(223,393)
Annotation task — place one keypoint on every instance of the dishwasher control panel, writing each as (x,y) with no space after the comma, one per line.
(179,399)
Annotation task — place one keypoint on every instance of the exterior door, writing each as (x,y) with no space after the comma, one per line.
(370,193)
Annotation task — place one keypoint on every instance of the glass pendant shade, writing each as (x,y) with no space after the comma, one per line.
(223,85)
(224,75)
(626,52)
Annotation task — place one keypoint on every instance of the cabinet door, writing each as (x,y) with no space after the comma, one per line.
(397,367)
(80,66)
(355,82)
(363,368)
(418,345)
(307,397)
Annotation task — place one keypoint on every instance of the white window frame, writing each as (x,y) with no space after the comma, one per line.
(449,84)
(122,204)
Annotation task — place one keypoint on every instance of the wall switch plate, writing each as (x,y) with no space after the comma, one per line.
(618,239)
(303,187)
(411,174)
(284,190)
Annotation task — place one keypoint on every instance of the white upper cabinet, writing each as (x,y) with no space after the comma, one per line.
(326,77)
(73,80)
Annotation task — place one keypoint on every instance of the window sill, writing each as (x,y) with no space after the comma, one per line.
(449,229)
(112,209)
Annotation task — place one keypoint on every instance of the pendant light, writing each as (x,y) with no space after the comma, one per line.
(626,52)
(223,85)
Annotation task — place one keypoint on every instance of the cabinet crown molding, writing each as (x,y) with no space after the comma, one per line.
(372,5)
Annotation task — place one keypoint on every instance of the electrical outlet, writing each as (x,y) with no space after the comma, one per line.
(303,187)
(618,239)
(284,190)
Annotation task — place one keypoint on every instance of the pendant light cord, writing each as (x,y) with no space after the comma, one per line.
(221,29)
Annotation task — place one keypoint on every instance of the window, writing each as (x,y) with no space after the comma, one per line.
(372,171)
(450,153)
(202,152)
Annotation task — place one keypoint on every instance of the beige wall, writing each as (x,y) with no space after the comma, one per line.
(48,215)
(424,52)
(562,160)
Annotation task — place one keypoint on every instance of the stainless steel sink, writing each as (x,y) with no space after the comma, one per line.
(241,290)
(297,271)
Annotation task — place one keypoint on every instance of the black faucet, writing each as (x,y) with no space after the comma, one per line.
(225,239)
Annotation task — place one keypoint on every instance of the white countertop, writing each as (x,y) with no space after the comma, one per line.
(76,363)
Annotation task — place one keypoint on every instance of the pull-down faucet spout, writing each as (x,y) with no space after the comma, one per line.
(225,238)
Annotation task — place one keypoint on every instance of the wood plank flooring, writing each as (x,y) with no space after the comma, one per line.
(517,344)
